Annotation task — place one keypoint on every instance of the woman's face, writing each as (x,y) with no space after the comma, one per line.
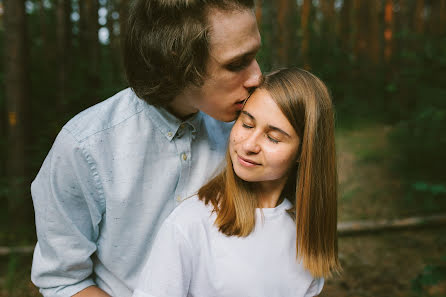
(263,145)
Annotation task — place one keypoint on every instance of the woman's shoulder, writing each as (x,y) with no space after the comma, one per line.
(191,211)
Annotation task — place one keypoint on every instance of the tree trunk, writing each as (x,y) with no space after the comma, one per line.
(123,18)
(43,28)
(405,94)
(442,30)
(388,30)
(305,18)
(361,19)
(284,13)
(259,12)
(115,52)
(374,37)
(368,227)
(419,17)
(83,28)
(63,37)
(94,48)
(328,22)
(345,26)
(437,18)
(89,27)
(17,105)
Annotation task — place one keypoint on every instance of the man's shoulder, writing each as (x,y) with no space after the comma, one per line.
(106,114)
(213,125)
(216,131)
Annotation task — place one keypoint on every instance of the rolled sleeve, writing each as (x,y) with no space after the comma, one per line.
(68,204)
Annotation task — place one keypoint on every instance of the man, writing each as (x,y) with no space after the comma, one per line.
(119,168)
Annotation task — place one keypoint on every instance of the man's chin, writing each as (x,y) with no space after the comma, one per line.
(228,117)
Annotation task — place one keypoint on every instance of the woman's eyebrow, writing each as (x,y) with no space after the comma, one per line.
(270,127)
(249,115)
(278,130)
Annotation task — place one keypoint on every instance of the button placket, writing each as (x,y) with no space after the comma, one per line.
(183,148)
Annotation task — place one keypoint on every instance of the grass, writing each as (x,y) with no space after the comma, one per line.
(15,271)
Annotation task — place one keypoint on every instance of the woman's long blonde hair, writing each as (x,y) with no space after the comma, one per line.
(311,184)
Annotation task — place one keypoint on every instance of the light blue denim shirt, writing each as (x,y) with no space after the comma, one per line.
(114,173)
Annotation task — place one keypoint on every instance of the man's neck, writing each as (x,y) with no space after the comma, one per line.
(180,108)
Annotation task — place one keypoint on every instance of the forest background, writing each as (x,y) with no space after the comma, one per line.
(384,62)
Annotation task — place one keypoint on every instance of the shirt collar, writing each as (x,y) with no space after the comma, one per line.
(169,125)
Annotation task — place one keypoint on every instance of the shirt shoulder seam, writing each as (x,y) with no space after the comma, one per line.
(84,138)
(92,167)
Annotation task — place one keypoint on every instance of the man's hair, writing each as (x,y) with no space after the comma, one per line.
(311,184)
(166,45)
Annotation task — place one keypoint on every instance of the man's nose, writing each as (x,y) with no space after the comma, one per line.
(254,75)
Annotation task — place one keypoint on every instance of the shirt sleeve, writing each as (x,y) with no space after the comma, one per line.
(315,288)
(68,206)
(168,271)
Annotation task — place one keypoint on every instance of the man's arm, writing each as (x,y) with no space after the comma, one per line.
(91,292)
(68,211)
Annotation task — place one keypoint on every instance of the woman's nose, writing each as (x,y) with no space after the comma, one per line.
(251,145)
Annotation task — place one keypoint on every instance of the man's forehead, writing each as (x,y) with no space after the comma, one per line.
(232,34)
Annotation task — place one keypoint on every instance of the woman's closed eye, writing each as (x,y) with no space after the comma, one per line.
(247,126)
(272,139)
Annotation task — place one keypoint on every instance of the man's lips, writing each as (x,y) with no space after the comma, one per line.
(247,162)
(240,104)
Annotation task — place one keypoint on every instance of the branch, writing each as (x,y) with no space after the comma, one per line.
(361,227)
(344,229)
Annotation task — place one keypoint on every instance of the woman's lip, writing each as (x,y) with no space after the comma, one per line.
(246,162)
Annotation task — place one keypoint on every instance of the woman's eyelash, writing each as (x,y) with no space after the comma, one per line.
(269,137)
(273,140)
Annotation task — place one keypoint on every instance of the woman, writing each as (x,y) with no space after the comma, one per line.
(266,225)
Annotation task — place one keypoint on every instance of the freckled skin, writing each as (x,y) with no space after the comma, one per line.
(269,153)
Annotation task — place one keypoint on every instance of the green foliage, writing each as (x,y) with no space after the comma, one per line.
(421,141)
(419,135)
(430,276)
(11,272)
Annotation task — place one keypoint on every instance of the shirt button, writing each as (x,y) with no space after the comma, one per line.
(182,126)
(169,134)
(179,198)
(184,156)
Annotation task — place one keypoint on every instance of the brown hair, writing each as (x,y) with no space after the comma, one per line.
(166,45)
(311,184)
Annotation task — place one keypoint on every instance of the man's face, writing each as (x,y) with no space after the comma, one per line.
(232,70)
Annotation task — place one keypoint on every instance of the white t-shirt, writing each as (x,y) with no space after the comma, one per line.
(190,257)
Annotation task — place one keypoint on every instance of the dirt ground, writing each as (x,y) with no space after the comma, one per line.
(384,264)
(379,265)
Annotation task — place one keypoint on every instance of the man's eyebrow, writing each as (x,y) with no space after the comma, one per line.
(252,52)
(270,127)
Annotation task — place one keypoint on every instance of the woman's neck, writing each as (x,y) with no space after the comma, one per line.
(268,194)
